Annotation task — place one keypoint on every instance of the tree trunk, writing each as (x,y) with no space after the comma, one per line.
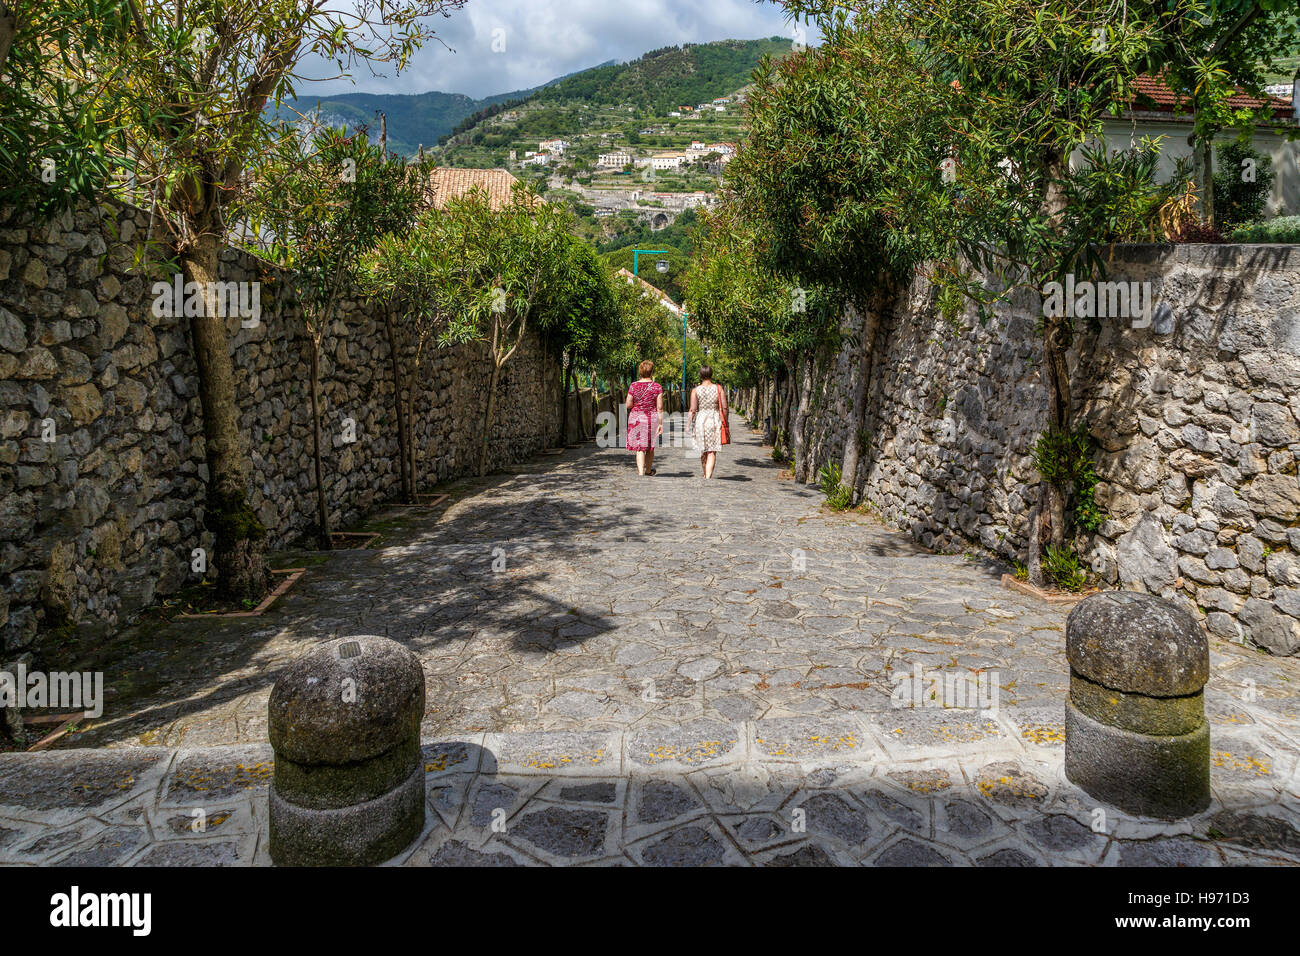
(801,421)
(858,420)
(412,443)
(488,417)
(323,540)
(564,403)
(1056,168)
(1205,178)
(585,417)
(1034,548)
(1049,517)
(239,552)
(1056,342)
(787,408)
(770,410)
(8,28)
(408,495)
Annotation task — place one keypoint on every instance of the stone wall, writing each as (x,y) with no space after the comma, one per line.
(99,522)
(1197,419)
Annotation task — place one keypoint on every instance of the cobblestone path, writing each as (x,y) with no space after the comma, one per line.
(655,671)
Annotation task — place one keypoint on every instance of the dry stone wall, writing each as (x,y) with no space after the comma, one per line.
(1196,418)
(101,520)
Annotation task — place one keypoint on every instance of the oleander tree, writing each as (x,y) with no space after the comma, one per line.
(581,316)
(408,273)
(53,138)
(937,135)
(507,258)
(740,301)
(188,104)
(317,206)
(839,179)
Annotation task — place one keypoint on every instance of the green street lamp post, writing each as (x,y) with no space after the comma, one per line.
(636,255)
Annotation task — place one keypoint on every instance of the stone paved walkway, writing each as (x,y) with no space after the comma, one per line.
(777,792)
(665,670)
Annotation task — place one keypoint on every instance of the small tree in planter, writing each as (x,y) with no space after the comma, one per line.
(315,215)
(506,263)
(408,272)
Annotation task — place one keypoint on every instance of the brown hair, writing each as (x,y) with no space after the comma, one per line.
(645,369)
(706,373)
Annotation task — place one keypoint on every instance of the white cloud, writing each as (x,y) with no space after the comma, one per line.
(544,39)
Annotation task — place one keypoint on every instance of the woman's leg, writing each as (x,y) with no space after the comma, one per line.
(703,456)
(650,460)
(640,463)
(710,459)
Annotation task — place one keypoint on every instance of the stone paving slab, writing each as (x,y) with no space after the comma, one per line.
(808,799)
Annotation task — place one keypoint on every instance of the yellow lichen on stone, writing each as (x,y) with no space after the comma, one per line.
(1260,766)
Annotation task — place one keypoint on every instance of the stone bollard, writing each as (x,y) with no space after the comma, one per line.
(348,788)
(1135,730)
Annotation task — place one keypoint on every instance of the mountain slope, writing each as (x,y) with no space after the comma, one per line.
(667,78)
(414,119)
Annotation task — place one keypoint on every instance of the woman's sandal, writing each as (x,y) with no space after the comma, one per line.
(652,472)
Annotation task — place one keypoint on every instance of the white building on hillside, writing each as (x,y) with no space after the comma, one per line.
(663,161)
(615,160)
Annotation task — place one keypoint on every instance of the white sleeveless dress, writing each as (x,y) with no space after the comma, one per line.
(708,419)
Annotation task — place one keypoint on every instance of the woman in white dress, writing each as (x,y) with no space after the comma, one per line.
(708,412)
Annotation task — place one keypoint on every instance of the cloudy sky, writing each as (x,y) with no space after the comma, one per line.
(544,39)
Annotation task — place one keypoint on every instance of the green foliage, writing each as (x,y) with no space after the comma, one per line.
(54,144)
(739,303)
(1284,229)
(677,235)
(1066,459)
(581,313)
(319,205)
(1058,455)
(670,282)
(190,113)
(648,331)
(1116,195)
(1216,47)
(1064,569)
(841,172)
(838,495)
(664,79)
(1241,185)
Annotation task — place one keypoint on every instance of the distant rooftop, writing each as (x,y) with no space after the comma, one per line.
(1153,94)
(448,183)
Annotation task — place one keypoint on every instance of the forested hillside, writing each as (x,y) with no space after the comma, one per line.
(670,77)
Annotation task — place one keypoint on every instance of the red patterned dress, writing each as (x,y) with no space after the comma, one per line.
(642,420)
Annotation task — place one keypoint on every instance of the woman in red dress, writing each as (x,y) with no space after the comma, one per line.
(645,404)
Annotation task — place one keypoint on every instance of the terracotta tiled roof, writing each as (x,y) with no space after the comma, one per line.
(447,183)
(1153,94)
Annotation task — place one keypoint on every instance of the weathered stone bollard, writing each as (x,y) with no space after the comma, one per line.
(1135,730)
(348,788)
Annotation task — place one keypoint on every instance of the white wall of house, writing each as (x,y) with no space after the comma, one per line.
(1284,199)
